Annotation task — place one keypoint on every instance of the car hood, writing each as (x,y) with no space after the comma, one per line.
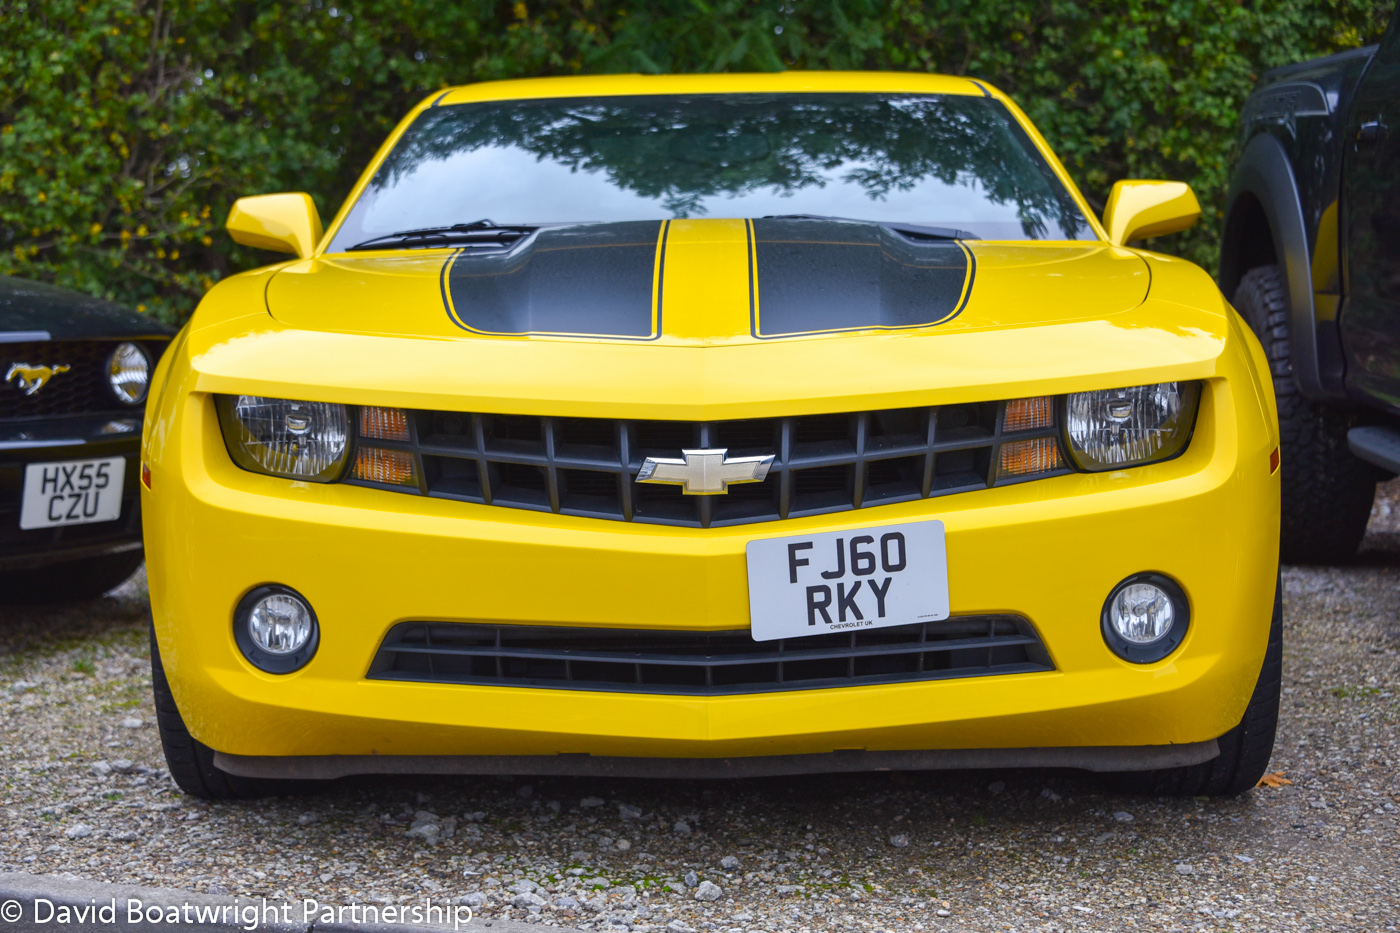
(737,320)
(710,283)
(28,307)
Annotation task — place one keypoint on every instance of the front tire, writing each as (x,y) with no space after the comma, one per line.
(191,762)
(1327,491)
(1244,750)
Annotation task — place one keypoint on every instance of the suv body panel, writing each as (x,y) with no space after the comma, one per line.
(1281,205)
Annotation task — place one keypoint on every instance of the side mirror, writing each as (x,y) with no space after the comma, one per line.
(284,223)
(1140,209)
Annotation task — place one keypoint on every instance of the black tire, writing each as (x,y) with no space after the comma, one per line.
(1327,491)
(1244,750)
(70,581)
(191,762)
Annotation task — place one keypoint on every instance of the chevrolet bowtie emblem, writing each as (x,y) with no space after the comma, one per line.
(32,378)
(705,472)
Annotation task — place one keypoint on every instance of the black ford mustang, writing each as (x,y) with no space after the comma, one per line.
(73,376)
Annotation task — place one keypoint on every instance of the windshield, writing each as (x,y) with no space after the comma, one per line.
(934,160)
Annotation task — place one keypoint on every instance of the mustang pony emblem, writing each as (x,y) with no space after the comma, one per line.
(705,472)
(32,378)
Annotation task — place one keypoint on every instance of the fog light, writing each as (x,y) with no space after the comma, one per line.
(1145,618)
(275,628)
(1141,613)
(280,623)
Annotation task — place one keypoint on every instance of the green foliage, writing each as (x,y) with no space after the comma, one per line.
(127,127)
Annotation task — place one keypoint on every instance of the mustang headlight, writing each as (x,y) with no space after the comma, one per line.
(1115,428)
(129,373)
(298,440)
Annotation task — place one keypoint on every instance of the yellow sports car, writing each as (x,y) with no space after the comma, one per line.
(710,426)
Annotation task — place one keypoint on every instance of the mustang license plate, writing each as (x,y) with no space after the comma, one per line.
(840,581)
(73,492)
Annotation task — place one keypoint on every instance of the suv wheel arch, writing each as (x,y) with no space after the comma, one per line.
(1263,184)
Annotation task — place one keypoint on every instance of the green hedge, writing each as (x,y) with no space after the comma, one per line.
(127,127)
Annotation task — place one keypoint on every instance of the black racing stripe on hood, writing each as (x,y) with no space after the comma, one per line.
(594,280)
(821,277)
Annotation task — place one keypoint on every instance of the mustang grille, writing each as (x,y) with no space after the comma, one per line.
(704,663)
(83,389)
(822,463)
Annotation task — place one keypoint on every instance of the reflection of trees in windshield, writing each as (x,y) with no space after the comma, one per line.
(682,150)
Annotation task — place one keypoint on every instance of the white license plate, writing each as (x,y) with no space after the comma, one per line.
(840,581)
(72,492)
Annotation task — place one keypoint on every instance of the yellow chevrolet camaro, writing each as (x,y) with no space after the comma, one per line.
(707,426)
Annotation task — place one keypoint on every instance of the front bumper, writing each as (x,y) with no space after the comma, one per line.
(78,437)
(1048,550)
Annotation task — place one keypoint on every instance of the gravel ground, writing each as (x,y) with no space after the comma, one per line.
(83,790)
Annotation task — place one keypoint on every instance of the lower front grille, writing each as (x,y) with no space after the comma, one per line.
(705,663)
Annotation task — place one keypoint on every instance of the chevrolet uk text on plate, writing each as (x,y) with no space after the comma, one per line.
(845,580)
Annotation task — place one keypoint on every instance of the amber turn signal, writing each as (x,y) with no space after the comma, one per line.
(1037,455)
(1026,414)
(377,465)
(387,424)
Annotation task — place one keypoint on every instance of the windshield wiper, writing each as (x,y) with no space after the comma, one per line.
(476,233)
(914,231)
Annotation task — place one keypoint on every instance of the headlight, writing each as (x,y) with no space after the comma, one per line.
(298,440)
(129,373)
(1115,428)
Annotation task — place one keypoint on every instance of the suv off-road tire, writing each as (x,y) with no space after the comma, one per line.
(1244,750)
(1327,490)
(70,581)
(191,762)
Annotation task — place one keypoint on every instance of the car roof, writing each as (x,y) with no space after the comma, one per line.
(868,82)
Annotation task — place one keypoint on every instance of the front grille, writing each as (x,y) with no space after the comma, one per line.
(705,663)
(823,463)
(83,389)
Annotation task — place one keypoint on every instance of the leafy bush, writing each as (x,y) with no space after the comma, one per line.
(127,127)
